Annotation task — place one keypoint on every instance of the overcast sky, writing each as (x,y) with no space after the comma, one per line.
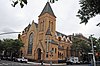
(16,19)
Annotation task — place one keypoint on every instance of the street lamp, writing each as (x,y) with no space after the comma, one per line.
(93,50)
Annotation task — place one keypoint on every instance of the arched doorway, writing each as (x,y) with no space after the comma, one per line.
(39,53)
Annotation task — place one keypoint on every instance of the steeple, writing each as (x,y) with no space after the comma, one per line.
(47,9)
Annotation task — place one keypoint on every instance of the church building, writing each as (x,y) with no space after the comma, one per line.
(42,41)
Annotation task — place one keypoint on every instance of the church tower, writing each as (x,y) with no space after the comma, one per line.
(41,40)
(46,29)
(47,20)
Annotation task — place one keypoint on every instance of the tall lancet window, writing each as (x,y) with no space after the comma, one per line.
(52,26)
(30,43)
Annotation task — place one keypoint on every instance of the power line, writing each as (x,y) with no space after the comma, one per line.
(9,33)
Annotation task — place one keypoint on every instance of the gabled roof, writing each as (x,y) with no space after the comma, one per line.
(47,9)
(27,28)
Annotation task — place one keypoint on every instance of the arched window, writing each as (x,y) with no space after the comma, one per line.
(30,43)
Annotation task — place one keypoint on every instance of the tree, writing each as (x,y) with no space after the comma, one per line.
(1,46)
(96,46)
(12,47)
(89,9)
(81,47)
(95,43)
(24,2)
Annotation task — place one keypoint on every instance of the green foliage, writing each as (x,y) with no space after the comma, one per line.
(96,43)
(22,3)
(89,9)
(11,46)
(53,1)
(1,46)
(80,45)
(84,46)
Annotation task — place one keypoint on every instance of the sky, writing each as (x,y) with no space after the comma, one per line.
(15,19)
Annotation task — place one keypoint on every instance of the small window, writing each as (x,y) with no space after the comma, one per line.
(52,49)
(46,55)
(55,50)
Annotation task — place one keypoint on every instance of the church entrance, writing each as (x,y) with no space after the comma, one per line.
(39,53)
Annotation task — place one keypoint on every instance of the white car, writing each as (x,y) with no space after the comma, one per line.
(22,59)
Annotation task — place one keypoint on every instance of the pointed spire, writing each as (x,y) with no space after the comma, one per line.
(47,9)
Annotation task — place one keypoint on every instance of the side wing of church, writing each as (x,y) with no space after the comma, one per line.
(42,41)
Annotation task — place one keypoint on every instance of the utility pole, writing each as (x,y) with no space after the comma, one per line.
(94,62)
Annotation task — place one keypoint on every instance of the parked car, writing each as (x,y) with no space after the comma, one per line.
(21,59)
(69,62)
(4,58)
(61,61)
(10,58)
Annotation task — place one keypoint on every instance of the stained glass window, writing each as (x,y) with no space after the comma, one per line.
(30,43)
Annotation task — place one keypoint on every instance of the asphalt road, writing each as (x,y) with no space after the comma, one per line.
(11,63)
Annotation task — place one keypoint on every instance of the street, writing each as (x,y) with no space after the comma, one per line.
(79,65)
(11,63)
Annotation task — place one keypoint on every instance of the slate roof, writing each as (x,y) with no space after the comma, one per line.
(61,34)
(27,28)
(47,9)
